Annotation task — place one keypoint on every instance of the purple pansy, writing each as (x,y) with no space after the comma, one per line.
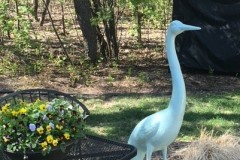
(52,125)
(49,107)
(32,127)
(45,117)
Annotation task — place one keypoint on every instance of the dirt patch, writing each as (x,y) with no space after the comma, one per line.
(147,80)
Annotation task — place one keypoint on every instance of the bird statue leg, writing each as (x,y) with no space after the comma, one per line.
(150,149)
(164,153)
(140,155)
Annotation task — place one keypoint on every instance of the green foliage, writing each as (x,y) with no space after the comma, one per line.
(5,23)
(16,26)
(62,1)
(143,77)
(73,74)
(133,30)
(16,23)
(103,14)
(154,13)
(20,54)
(14,63)
(157,13)
(80,72)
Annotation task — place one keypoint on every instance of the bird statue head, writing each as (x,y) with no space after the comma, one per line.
(177,27)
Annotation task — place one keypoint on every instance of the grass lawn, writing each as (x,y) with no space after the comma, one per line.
(114,118)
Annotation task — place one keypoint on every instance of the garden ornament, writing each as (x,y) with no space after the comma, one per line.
(160,129)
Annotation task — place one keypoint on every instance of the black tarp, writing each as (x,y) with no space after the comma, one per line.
(217,46)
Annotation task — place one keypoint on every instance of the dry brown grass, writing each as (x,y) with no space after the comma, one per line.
(208,147)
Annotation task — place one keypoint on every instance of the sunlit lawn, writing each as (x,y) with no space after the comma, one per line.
(115,117)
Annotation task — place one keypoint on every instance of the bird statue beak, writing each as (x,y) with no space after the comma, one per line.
(189,27)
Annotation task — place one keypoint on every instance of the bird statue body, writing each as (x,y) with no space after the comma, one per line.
(160,129)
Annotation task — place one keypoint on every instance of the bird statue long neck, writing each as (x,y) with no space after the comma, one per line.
(178,98)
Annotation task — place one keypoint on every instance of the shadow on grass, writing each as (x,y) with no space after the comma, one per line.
(219,123)
(119,123)
(4,88)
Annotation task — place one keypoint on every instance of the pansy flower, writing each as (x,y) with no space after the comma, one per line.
(32,127)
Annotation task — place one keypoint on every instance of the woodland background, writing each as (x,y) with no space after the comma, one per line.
(92,47)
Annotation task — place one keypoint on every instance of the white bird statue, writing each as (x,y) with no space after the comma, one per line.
(160,129)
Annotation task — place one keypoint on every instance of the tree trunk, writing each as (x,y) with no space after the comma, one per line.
(84,15)
(139,16)
(63,19)
(110,32)
(44,12)
(35,10)
(17,11)
(106,41)
(113,35)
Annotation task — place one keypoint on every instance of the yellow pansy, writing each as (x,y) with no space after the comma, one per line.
(37,100)
(49,139)
(42,107)
(59,127)
(22,111)
(55,142)
(48,128)
(5,107)
(22,103)
(5,139)
(40,130)
(44,144)
(14,113)
(67,136)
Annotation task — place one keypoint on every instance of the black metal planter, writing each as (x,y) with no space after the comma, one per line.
(55,153)
(88,148)
(32,95)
